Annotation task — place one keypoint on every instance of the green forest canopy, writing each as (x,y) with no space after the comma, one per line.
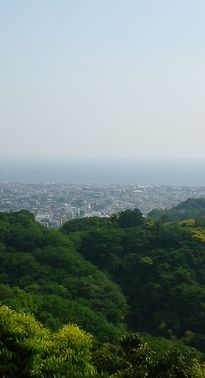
(109,276)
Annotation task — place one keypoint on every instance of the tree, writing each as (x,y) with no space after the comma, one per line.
(130,218)
(27,349)
(159,358)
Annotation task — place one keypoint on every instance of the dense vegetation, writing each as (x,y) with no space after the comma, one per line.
(192,208)
(108,276)
(41,273)
(160,268)
(27,349)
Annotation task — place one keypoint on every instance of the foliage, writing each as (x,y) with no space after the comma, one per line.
(41,273)
(81,274)
(27,349)
(192,208)
(160,268)
(84,224)
(158,358)
(130,218)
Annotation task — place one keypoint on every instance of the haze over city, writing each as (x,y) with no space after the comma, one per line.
(97,80)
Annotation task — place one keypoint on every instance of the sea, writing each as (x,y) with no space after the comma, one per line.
(151,172)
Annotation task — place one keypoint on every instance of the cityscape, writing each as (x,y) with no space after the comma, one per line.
(54,204)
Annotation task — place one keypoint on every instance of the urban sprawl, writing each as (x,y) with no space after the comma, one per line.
(54,204)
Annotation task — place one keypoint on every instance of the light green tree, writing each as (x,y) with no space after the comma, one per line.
(27,349)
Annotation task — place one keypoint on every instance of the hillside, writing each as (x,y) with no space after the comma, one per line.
(191,208)
(41,273)
(82,274)
(160,268)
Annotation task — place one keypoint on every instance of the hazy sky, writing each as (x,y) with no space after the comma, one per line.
(102,79)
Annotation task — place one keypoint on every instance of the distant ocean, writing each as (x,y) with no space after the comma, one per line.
(153,172)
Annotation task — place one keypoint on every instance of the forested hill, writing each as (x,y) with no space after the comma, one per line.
(192,208)
(41,273)
(159,266)
(109,276)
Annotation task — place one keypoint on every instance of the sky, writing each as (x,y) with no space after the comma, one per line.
(111,79)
